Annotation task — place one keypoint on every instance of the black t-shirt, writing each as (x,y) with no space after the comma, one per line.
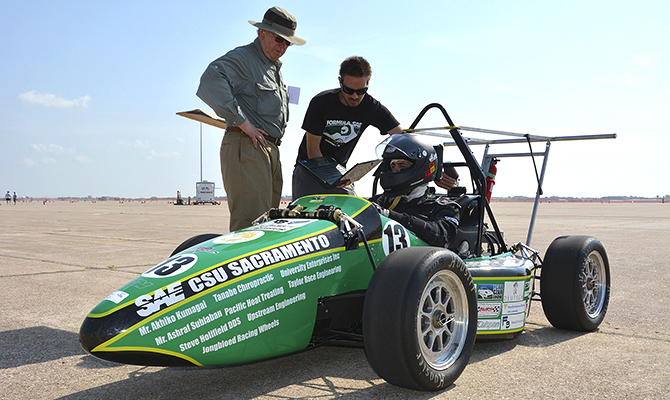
(341,126)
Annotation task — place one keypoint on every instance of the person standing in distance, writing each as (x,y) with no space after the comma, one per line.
(245,87)
(334,123)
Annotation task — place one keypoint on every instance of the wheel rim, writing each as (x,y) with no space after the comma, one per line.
(442,322)
(593,278)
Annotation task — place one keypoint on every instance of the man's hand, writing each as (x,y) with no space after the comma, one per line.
(446,182)
(256,134)
(343,184)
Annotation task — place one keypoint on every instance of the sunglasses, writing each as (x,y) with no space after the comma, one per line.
(281,40)
(348,90)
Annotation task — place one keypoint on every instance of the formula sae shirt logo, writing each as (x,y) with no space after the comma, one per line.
(340,132)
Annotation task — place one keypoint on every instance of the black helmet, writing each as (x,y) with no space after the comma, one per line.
(426,164)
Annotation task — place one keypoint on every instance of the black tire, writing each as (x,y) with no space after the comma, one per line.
(193,241)
(420,318)
(575,283)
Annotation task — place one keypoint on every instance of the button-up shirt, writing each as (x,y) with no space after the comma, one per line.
(245,84)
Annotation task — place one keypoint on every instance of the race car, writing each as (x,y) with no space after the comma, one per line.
(329,269)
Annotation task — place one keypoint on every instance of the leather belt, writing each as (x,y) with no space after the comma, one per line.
(276,141)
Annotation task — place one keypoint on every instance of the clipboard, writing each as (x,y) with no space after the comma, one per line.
(204,116)
(331,174)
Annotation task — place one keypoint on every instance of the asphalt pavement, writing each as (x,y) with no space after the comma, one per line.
(59,259)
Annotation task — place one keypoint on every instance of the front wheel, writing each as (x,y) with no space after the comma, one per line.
(575,283)
(192,241)
(420,318)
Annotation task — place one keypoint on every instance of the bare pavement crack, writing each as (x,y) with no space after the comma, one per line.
(80,268)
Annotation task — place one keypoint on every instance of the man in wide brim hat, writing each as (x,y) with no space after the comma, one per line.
(245,87)
(280,22)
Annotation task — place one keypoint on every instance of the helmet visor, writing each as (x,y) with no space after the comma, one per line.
(398,164)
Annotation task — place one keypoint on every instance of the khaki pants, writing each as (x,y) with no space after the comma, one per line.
(252,178)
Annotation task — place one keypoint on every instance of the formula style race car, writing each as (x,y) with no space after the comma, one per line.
(330,269)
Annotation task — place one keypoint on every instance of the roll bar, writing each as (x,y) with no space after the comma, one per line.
(477,171)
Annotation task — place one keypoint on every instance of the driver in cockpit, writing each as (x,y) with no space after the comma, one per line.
(408,166)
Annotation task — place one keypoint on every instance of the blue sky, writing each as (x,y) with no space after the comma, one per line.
(90,89)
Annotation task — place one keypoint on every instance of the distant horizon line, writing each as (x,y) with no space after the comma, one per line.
(224,198)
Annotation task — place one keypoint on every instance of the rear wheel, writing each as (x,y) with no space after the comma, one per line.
(575,283)
(193,241)
(420,318)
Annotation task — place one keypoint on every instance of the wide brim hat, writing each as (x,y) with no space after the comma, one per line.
(280,22)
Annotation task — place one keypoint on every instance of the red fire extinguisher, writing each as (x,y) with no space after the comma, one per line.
(491,178)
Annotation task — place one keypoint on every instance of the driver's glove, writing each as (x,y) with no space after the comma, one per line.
(381,210)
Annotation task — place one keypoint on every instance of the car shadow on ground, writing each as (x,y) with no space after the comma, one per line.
(35,345)
(534,335)
(325,372)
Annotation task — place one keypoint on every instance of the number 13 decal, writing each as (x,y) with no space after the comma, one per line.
(395,238)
